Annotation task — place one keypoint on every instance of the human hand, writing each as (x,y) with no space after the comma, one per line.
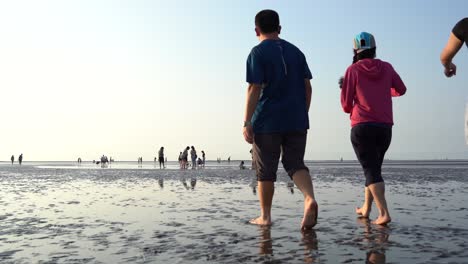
(450,70)
(248,134)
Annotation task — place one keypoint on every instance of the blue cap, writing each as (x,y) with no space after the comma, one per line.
(364,41)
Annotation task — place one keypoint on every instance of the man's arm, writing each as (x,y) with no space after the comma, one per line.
(253,94)
(453,46)
(308,90)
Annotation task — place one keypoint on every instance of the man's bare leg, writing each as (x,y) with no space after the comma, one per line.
(378,192)
(365,210)
(303,181)
(266,190)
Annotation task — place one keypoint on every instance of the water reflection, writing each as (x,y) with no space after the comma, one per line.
(253,185)
(290,186)
(193,183)
(377,237)
(161,183)
(310,244)
(265,243)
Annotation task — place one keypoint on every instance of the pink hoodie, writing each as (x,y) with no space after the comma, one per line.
(368,87)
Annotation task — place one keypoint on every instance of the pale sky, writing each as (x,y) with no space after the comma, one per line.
(122,78)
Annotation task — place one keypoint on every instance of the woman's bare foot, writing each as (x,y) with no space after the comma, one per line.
(310,214)
(363,212)
(382,220)
(261,221)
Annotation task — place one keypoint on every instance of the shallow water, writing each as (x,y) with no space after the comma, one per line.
(59,212)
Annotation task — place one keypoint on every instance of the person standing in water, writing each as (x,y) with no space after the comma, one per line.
(276,115)
(366,94)
(12,159)
(193,156)
(458,35)
(20,159)
(180,160)
(161,157)
(185,158)
(203,158)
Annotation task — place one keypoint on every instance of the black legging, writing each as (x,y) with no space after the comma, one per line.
(370,142)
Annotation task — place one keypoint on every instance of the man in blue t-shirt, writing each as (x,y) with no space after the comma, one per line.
(276,116)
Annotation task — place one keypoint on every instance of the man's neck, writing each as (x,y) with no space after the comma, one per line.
(273,36)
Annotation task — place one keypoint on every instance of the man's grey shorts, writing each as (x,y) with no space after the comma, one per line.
(267,149)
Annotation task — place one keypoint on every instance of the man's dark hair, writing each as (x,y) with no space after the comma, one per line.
(267,21)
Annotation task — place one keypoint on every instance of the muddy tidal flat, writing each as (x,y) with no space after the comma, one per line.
(59,212)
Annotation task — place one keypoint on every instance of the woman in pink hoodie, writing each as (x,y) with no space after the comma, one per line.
(366,94)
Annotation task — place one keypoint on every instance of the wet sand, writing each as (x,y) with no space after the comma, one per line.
(125,214)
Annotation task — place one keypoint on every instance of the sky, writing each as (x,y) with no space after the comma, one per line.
(123,78)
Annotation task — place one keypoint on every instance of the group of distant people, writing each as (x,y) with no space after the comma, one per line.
(20,159)
(197,162)
(219,160)
(104,161)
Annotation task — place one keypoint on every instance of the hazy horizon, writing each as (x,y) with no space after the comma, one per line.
(86,78)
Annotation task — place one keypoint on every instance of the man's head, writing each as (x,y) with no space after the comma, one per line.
(267,22)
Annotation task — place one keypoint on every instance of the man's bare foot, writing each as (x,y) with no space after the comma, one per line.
(261,221)
(363,212)
(382,220)
(310,214)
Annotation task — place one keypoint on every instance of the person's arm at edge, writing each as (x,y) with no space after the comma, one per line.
(348,92)
(398,87)
(253,94)
(308,92)
(448,53)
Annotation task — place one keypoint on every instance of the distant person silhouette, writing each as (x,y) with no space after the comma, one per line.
(193,156)
(203,158)
(185,158)
(180,160)
(12,159)
(20,159)
(161,157)
(241,165)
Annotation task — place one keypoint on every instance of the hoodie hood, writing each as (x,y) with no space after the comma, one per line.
(370,67)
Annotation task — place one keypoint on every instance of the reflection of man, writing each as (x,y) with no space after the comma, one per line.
(458,35)
(309,238)
(266,244)
(276,116)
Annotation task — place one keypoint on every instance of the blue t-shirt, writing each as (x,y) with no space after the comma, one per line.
(280,67)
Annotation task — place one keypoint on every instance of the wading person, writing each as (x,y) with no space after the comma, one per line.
(366,94)
(276,115)
(161,157)
(458,35)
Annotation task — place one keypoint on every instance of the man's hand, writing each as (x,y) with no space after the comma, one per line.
(450,70)
(248,134)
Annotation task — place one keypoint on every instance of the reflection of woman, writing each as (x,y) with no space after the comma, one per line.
(376,239)
(367,90)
